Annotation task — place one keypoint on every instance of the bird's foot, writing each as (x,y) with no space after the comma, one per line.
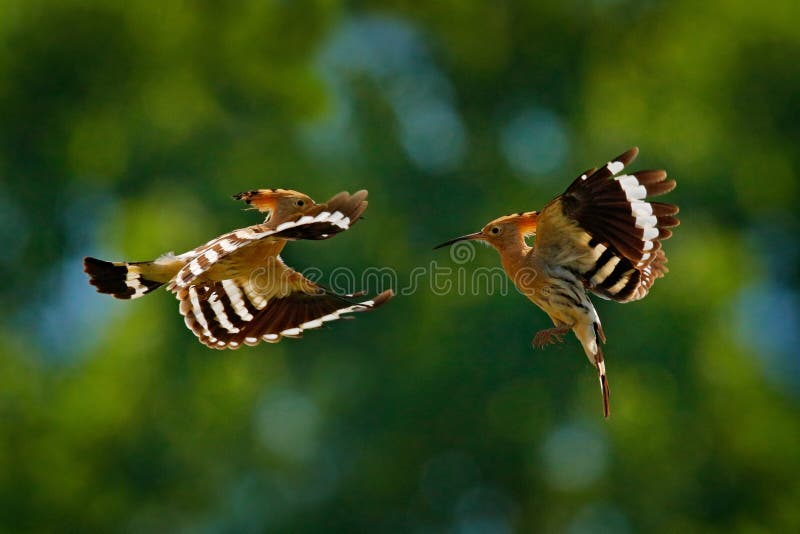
(551,336)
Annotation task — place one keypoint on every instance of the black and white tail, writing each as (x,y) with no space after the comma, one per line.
(600,364)
(601,374)
(591,336)
(120,279)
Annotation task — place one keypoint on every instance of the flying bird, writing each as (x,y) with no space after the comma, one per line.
(602,235)
(236,290)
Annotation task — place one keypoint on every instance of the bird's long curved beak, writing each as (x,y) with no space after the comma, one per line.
(468,237)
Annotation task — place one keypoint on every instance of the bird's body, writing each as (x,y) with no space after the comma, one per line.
(236,289)
(600,236)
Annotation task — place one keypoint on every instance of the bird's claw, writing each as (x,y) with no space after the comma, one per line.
(547,337)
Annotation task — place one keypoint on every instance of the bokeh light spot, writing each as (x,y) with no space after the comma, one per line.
(535,142)
(599,519)
(445,477)
(484,510)
(392,54)
(286,424)
(767,320)
(574,456)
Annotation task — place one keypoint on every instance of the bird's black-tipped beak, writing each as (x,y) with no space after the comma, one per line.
(468,237)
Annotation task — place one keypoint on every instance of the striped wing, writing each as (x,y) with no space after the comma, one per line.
(322,222)
(604,229)
(231,313)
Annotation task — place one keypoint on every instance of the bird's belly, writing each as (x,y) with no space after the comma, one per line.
(565,304)
(255,261)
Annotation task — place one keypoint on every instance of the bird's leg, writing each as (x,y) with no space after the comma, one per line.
(550,336)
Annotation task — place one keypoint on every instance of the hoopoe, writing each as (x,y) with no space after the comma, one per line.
(236,289)
(600,235)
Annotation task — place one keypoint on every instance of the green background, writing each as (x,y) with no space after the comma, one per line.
(124,129)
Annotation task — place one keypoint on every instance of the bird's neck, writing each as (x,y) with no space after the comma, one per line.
(513,254)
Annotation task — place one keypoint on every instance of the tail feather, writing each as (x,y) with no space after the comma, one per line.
(600,363)
(591,335)
(119,279)
(601,374)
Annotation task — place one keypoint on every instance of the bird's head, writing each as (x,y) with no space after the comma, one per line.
(503,232)
(279,204)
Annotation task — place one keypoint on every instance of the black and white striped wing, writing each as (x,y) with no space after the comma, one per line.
(323,222)
(326,220)
(604,229)
(231,313)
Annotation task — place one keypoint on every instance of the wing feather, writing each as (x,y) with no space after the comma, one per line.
(322,222)
(605,230)
(210,311)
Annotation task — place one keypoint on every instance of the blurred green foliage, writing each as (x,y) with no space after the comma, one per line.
(124,128)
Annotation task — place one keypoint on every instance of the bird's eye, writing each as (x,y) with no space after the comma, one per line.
(495,230)
(300,203)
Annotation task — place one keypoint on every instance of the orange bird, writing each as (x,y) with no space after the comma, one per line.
(602,235)
(235,290)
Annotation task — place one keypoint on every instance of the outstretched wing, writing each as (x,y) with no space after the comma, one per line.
(231,313)
(605,230)
(322,222)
